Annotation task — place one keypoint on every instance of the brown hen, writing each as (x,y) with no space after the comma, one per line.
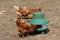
(24,11)
(24,27)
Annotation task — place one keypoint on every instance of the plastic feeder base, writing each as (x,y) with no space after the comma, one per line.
(42,30)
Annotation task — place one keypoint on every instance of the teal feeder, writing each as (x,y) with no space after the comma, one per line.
(39,19)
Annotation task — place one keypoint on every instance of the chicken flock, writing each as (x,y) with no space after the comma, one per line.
(22,25)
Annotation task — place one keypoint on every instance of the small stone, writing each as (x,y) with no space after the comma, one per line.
(1,13)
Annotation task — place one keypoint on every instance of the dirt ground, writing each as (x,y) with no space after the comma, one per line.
(8,30)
